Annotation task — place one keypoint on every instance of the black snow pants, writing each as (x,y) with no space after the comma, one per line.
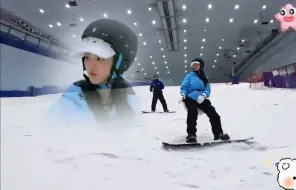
(158,95)
(208,109)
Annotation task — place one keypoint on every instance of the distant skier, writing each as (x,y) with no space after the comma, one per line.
(195,90)
(156,87)
(109,48)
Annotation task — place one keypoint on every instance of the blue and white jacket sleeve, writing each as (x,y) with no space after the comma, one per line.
(207,90)
(184,86)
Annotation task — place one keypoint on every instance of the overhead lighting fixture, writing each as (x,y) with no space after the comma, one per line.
(185,61)
(264,7)
(135,24)
(59,24)
(255,21)
(236,7)
(140,34)
(161,49)
(185,47)
(81,19)
(135,59)
(185,55)
(202,47)
(237,48)
(167,67)
(155,68)
(185,71)
(243,40)
(129,12)
(215,61)
(231,20)
(50,25)
(149,8)
(168,71)
(163,56)
(201,54)
(234,55)
(165,62)
(185,40)
(185,31)
(271,21)
(139,63)
(220,47)
(205,30)
(184,7)
(153,22)
(184,20)
(203,40)
(150,56)
(157,72)
(217,54)
(132,75)
(153,63)
(222,40)
(74,36)
(185,65)
(67,5)
(144,43)
(142,69)
(207,20)
(159,41)
(214,66)
(145,74)
(41,10)
(105,15)
(210,6)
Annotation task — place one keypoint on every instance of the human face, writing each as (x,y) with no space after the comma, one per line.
(196,67)
(98,69)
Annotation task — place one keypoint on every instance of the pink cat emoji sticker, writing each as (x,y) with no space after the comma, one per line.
(287,17)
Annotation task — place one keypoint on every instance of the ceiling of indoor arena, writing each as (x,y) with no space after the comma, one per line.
(170,33)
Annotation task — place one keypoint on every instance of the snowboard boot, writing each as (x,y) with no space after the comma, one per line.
(166,110)
(223,137)
(191,138)
(152,110)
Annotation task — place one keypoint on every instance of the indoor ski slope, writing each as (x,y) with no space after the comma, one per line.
(36,157)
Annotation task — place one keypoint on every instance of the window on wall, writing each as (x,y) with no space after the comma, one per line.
(291,69)
(17,33)
(4,28)
(283,72)
(32,40)
(44,44)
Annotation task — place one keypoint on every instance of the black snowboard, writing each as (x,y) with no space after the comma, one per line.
(158,112)
(203,144)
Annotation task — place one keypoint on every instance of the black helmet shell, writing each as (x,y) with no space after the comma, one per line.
(119,36)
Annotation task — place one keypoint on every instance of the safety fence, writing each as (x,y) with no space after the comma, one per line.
(283,77)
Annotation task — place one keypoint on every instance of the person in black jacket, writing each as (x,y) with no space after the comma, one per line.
(156,87)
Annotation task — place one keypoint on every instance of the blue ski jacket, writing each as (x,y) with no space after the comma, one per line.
(156,85)
(77,106)
(192,86)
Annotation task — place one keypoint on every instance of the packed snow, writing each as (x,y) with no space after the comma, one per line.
(40,157)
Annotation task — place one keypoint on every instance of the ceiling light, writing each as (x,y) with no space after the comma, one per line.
(214,66)
(237,48)
(243,40)
(202,47)
(201,54)
(222,40)
(203,40)
(161,49)
(231,20)
(132,75)
(157,72)
(167,67)
(234,55)
(271,21)
(149,8)
(185,40)
(220,47)
(184,7)
(236,7)
(185,47)
(67,5)
(59,24)
(165,62)
(207,20)
(185,30)
(168,71)
(135,23)
(210,6)
(81,19)
(105,15)
(185,55)
(217,54)
(142,69)
(215,61)
(185,61)
(41,10)
(159,41)
(140,34)
(264,7)
(150,56)
(129,12)
(185,71)
(145,74)
(50,25)
(184,20)
(139,63)
(155,68)
(153,22)
(185,65)
(205,30)
(144,43)
(163,56)
(74,36)
(153,63)
(135,59)
(255,21)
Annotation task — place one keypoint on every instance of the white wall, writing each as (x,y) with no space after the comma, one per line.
(281,54)
(20,69)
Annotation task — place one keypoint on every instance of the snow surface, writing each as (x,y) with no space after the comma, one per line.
(39,157)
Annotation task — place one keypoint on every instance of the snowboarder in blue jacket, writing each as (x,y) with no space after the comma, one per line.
(195,91)
(108,49)
(156,87)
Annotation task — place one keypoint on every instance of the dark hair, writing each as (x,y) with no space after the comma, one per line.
(201,74)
